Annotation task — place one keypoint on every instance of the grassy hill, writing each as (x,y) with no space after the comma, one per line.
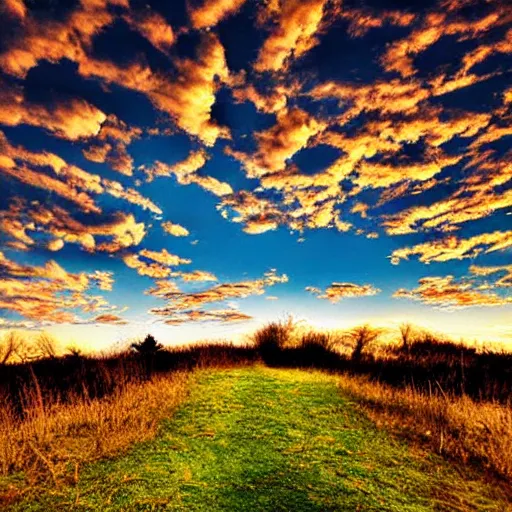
(261,439)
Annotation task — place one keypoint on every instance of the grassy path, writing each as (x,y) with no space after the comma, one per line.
(271,440)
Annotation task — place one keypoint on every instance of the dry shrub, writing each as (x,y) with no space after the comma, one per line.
(455,426)
(54,440)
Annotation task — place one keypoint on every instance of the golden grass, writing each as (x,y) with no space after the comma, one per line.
(54,441)
(456,427)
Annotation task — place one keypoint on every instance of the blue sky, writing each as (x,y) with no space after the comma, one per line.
(196,169)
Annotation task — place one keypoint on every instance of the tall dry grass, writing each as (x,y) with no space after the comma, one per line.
(454,426)
(51,440)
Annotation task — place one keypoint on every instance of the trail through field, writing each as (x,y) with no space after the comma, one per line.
(259,439)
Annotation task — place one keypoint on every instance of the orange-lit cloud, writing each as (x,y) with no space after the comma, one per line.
(210,315)
(153,27)
(361,20)
(293,34)
(338,291)
(207,13)
(195,276)
(144,268)
(174,229)
(164,257)
(14,161)
(180,301)
(446,292)
(399,55)
(453,247)
(108,318)
(48,293)
(155,264)
(292,131)
(110,145)
(71,119)
(505,272)
(186,174)
(118,232)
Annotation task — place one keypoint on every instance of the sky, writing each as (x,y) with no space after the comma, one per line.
(194,169)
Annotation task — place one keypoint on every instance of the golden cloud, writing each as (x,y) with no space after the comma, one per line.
(73,178)
(400,54)
(163,257)
(188,100)
(153,27)
(70,119)
(293,34)
(186,173)
(211,315)
(207,13)
(108,318)
(144,268)
(361,20)
(180,301)
(174,229)
(445,292)
(195,276)
(48,293)
(453,247)
(338,291)
(122,229)
(111,145)
(292,131)
(503,282)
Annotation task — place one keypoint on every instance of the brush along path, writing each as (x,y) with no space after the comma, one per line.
(259,439)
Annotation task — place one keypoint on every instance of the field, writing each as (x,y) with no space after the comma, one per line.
(295,421)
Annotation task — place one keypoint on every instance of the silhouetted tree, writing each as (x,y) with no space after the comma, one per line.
(147,349)
(406,335)
(362,336)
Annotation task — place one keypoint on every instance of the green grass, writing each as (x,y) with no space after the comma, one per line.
(257,439)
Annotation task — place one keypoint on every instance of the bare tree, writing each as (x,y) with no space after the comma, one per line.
(406,336)
(9,347)
(362,337)
(46,346)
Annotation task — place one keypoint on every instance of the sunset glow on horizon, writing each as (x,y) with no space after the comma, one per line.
(194,169)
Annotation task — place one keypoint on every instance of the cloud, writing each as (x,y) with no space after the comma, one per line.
(195,276)
(208,13)
(293,34)
(116,232)
(399,55)
(158,264)
(182,170)
(270,101)
(153,27)
(292,131)
(163,257)
(174,229)
(446,292)
(338,291)
(14,162)
(361,20)
(211,315)
(453,247)
(186,173)
(144,268)
(14,8)
(504,281)
(181,301)
(48,293)
(465,204)
(110,145)
(187,97)
(70,119)
(108,318)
